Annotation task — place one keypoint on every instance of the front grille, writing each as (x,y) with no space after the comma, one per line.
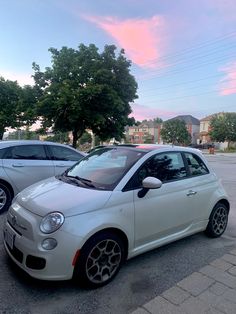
(14,228)
(35,262)
(16,253)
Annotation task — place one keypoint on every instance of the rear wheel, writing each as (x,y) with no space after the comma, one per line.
(100,260)
(218,221)
(5,198)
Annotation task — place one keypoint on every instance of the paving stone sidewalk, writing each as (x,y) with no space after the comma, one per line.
(211,290)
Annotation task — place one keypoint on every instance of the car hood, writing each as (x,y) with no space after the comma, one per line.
(54,195)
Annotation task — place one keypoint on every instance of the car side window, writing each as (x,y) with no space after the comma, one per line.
(196,165)
(63,153)
(29,152)
(165,167)
(3,152)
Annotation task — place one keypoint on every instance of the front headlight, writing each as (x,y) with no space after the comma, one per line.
(51,222)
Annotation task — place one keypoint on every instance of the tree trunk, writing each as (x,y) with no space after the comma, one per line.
(1,133)
(75,138)
(76,135)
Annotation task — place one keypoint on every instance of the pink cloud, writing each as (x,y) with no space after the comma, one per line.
(141,112)
(228,83)
(142,39)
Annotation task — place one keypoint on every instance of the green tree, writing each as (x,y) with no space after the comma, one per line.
(148,139)
(9,100)
(223,127)
(85,138)
(175,132)
(27,114)
(158,120)
(59,137)
(85,89)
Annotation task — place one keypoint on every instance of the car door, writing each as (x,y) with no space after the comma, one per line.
(202,185)
(169,209)
(27,164)
(63,157)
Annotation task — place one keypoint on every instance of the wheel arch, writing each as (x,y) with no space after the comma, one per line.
(225,202)
(8,185)
(116,231)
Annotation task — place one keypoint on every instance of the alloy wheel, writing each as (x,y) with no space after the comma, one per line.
(103,261)
(219,220)
(3,198)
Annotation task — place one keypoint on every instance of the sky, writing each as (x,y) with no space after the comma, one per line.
(183,52)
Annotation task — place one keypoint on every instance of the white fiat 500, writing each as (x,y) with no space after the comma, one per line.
(112,205)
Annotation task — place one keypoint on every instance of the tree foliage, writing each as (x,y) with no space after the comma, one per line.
(17,105)
(158,120)
(59,137)
(223,127)
(175,132)
(85,138)
(85,89)
(27,106)
(9,99)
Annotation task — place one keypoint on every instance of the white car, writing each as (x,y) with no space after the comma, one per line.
(114,204)
(24,162)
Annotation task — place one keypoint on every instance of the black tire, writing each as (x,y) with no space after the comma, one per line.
(5,198)
(100,260)
(218,221)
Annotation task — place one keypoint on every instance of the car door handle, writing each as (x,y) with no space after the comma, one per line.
(191,192)
(61,165)
(17,165)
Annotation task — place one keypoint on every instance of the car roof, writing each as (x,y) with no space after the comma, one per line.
(9,143)
(151,147)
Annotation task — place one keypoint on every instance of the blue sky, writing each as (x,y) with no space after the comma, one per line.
(183,52)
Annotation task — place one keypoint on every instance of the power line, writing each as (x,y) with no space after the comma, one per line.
(197,57)
(191,48)
(186,82)
(187,96)
(190,88)
(177,71)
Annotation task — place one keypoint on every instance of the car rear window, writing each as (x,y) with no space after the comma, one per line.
(29,152)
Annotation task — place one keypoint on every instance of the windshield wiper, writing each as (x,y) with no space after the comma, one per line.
(83,180)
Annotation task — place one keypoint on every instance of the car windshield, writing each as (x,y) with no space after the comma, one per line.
(104,168)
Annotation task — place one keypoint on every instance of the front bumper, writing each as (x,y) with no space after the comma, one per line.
(27,253)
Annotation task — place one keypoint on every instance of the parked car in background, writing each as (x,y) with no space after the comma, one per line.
(23,163)
(91,150)
(114,204)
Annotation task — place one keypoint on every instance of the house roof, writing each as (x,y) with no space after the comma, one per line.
(208,118)
(188,119)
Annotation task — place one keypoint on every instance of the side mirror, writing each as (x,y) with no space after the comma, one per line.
(149,183)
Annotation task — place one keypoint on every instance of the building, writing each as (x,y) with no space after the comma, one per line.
(146,132)
(192,125)
(205,127)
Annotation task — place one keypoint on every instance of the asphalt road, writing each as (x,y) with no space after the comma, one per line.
(140,279)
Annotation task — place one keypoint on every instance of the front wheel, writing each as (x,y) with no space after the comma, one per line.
(5,198)
(218,221)
(100,260)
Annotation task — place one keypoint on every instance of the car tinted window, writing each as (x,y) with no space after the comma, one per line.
(3,152)
(196,165)
(63,153)
(33,152)
(165,167)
